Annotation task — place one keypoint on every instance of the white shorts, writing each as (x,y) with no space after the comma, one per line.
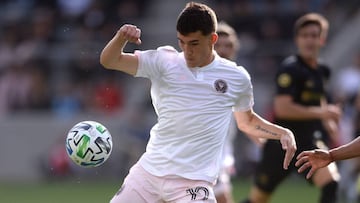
(142,187)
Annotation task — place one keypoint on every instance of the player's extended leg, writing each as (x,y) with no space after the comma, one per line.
(127,194)
(327,179)
(224,197)
(181,190)
(258,196)
(139,186)
(269,173)
(223,188)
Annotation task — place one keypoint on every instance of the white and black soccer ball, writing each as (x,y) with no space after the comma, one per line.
(89,144)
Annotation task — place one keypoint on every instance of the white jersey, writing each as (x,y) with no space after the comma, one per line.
(194,108)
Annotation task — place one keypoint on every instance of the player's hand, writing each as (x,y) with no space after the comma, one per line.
(288,143)
(130,33)
(332,112)
(314,160)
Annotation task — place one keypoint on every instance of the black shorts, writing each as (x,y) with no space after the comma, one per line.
(270,172)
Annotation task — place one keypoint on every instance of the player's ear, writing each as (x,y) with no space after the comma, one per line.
(214,38)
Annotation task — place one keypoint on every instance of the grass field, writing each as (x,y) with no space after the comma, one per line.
(291,191)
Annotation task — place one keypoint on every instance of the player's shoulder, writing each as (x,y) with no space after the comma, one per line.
(233,66)
(290,61)
(322,64)
(167,53)
(167,49)
(291,65)
(324,68)
(226,62)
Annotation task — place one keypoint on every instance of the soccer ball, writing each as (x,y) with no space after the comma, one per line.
(89,144)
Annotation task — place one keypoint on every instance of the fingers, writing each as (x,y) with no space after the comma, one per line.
(288,143)
(303,154)
(289,154)
(288,157)
(304,167)
(287,160)
(300,161)
(131,33)
(303,164)
(311,172)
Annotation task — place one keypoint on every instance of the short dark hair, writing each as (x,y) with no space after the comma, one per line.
(196,17)
(312,19)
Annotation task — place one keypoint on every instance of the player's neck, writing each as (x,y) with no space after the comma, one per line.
(209,60)
(310,61)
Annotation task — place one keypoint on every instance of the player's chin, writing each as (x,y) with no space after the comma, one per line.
(190,64)
(310,52)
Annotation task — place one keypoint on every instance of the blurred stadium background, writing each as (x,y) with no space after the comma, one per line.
(50,78)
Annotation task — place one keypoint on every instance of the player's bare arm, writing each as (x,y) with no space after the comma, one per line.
(316,159)
(113,56)
(332,124)
(252,124)
(286,108)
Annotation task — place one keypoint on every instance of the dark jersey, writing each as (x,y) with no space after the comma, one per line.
(306,87)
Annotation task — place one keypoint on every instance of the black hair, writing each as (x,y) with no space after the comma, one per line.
(196,17)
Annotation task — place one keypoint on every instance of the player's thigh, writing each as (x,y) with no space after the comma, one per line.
(223,192)
(139,186)
(190,191)
(127,194)
(223,184)
(258,195)
(326,175)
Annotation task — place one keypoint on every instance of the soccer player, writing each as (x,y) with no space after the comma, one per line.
(300,105)
(316,159)
(194,93)
(228,43)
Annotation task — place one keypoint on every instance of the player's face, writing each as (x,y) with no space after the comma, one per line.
(225,47)
(197,48)
(309,41)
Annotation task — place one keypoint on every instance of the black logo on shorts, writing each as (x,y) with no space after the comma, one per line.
(199,192)
(220,86)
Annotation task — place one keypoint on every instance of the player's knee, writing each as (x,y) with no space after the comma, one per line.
(329,192)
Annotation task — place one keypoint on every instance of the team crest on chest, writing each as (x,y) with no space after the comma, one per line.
(220,86)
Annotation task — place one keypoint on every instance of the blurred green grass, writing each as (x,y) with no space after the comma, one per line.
(293,190)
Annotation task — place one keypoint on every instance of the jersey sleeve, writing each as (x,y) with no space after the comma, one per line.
(245,99)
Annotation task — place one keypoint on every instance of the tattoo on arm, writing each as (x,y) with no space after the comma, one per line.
(266,131)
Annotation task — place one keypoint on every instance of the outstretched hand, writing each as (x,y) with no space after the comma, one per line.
(314,160)
(288,143)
